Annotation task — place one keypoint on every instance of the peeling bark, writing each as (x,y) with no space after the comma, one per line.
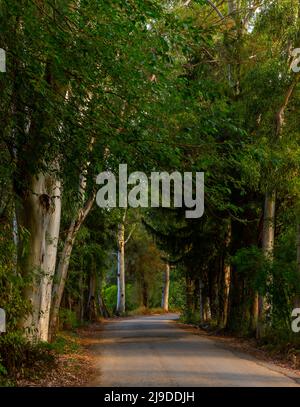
(39,214)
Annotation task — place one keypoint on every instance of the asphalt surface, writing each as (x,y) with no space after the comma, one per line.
(154,351)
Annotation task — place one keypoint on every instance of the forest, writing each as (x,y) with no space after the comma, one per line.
(168,86)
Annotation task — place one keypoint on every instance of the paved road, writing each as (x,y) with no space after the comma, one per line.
(154,351)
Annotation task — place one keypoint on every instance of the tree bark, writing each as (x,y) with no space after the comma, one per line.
(189,294)
(201,304)
(63,265)
(101,304)
(267,247)
(165,291)
(297,297)
(226,277)
(270,203)
(254,312)
(39,215)
(50,262)
(121,269)
(92,313)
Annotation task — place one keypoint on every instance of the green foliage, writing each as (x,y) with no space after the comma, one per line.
(67,319)
(177,292)
(251,263)
(19,358)
(160,87)
(63,344)
(110,297)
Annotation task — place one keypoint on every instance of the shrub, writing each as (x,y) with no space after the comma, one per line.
(18,357)
(68,319)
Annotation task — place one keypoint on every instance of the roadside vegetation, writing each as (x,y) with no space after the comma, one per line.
(161,86)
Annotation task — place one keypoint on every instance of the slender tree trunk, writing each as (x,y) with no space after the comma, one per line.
(50,262)
(63,265)
(101,304)
(201,304)
(165,291)
(91,305)
(231,6)
(189,295)
(118,282)
(226,278)
(270,203)
(81,298)
(267,246)
(297,298)
(145,293)
(121,269)
(207,309)
(254,313)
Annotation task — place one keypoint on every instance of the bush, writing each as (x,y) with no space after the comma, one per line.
(18,357)
(68,319)
(110,298)
(64,344)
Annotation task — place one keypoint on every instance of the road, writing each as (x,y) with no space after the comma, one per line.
(154,351)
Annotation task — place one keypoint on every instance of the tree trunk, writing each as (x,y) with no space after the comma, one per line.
(226,278)
(63,265)
(189,295)
(267,247)
(270,203)
(231,6)
(254,313)
(165,291)
(121,269)
(91,305)
(101,304)
(297,298)
(81,298)
(201,302)
(207,309)
(50,263)
(145,293)
(40,217)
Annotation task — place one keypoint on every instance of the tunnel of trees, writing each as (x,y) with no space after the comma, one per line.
(196,85)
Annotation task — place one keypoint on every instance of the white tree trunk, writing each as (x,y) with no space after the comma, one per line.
(269,224)
(267,247)
(52,238)
(231,6)
(165,291)
(64,261)
(226,277)
(121,269)
(270,205)
(297,299)
(40,216)
(118,282)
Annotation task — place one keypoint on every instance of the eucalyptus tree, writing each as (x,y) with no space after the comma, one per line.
(69,69)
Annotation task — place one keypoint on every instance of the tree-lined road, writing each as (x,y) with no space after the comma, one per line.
(154,351)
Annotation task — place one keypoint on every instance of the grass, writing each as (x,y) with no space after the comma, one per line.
(22,360)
